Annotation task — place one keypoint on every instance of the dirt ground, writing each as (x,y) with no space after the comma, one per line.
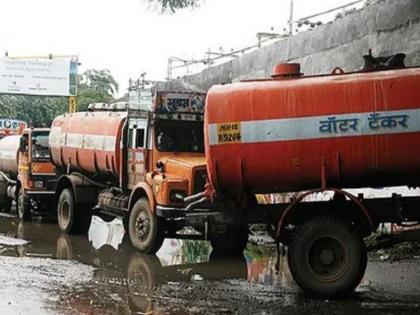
(45,272)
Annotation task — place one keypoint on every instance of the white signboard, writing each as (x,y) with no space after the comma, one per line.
(140,99)
(49,77)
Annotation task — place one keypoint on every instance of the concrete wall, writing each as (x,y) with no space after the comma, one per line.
(388,26)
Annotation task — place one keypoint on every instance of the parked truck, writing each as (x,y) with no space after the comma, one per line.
(129,159)
(26,173)
(310,136)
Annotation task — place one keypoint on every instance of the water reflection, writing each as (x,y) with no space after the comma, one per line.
(130,279)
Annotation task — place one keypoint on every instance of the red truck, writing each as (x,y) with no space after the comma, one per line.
(310,135)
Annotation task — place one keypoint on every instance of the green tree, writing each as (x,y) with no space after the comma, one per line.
(174,5)
(96,86)
(6,108)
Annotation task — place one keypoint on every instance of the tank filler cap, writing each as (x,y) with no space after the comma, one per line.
(286,70)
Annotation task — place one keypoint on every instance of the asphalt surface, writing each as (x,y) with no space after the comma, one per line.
(45,272)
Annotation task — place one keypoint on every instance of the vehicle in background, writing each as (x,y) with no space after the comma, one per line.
(10,127)
(26,173)
(130,160)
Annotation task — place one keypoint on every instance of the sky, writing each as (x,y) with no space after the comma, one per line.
(129,38)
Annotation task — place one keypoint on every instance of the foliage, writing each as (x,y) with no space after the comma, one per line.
(174,5)
(96,86)
(39,111)
(36,110)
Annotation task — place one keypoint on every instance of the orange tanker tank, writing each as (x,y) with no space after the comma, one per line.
(293,133)
(89,142)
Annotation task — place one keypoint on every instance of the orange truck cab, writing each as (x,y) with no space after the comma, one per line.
(36,174)
(26,172)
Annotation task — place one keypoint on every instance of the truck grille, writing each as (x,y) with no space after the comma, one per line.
(200,177)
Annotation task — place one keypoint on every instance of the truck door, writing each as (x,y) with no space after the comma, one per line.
(136,151)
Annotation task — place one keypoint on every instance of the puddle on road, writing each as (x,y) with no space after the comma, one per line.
(184,278)
(124,281)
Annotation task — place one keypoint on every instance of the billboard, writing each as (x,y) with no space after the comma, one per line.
(47,77)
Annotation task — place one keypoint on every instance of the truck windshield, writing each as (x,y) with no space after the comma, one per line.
(179,136)
(40,150)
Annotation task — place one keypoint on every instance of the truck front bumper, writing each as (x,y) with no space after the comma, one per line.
(180,213)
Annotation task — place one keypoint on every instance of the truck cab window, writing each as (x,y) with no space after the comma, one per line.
(40,149)
(179,136)
(140,138)
(130,138)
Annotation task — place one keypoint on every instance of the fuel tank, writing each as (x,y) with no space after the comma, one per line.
(9,150)
(292,133)
(88,142)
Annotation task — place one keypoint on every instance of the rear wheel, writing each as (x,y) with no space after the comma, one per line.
(23,207)
(327,258)
(232,242)
(72,217)
(146,230)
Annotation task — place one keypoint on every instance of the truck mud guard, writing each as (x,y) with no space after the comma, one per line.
(142,189)
(83,188)
(284,219)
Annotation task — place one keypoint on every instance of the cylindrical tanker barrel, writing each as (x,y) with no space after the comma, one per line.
(291,134)
(9,151)
(88,142)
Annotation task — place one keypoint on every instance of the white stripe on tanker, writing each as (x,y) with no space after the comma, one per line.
(318,127)
(81,141)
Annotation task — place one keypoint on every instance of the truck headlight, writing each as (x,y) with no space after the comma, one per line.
(177,195)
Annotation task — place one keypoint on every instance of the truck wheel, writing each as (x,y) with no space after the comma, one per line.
(23,208)
(231,243)
(72,217)
(327,258)
(146,230)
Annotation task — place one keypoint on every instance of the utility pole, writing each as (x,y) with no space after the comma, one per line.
(291,18)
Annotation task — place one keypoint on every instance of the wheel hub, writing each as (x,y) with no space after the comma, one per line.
(142,225)
(327,258)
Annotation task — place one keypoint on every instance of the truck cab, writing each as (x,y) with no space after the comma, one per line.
(165,161)
(132,160)
(36,174)
(166,147)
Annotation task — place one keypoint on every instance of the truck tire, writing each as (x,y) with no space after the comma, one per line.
(23,207)
(231,243)
(327,258)
(72,217)
(146,230)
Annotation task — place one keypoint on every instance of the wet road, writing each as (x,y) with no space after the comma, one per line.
(45,272)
